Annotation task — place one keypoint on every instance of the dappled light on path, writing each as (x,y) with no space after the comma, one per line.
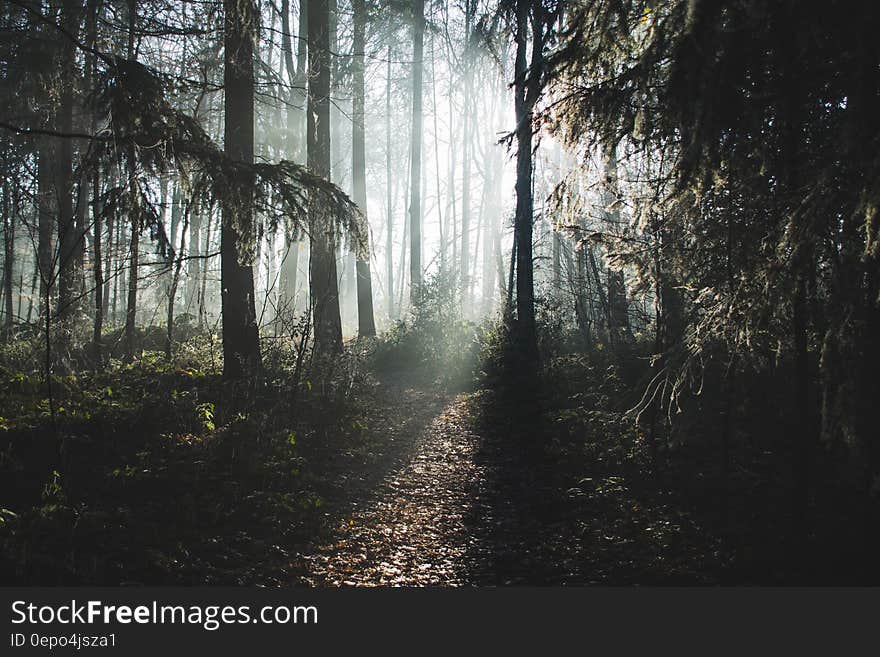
(473,503)
(416,530)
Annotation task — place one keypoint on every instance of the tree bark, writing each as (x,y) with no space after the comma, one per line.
(366,321)
(415,182)
(97,264)
(525,90)
(46,222)
(389,212)
(241,342)
(68,235)
(296,77)
(322,264)
(8,261)
(194,263)
(134,244)
(619,327)
(98,271)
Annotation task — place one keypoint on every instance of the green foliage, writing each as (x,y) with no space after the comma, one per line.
(53,492)
(146,126)
(435,344)
(205,413)
(754,126)
(586,400)
(19,356)
(160,471)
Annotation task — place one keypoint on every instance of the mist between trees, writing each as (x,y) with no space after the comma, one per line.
(676,197)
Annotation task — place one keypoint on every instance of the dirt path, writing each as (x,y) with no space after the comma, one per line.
(417,529)
(453,500)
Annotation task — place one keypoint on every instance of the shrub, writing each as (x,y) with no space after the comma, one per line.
(434,344)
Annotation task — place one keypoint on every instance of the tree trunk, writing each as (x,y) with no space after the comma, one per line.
(366,322)
(46,222)
(491,241)
(288,275)
(525,89)
(295,114)
(97,255)
(241,341)
(9,255)
(619,327)
(322,264)
(389,212)
(134,255)
(301,80)
(118,272)
(177,264)
(109,278)
(442,226)
(180,211)
(415,182)
(134,244)
(203,289)
(194,263)
(466,148)
(97,271)
(68,235)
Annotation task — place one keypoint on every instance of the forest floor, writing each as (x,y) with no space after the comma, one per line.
(464,501)
(162,473)
(404,484)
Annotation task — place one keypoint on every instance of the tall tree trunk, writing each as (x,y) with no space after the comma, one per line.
(389,211)
(241,341)
(177,264)
(440,223)
(164,205)
(194,263)
(136,224)
(288,275)
(466,150)
(619,327)
(492,243)
(46,221)
(296,77)
(9,256)
(301,84)
(175,261)
(92,11)
(451,198)
(526,83)
(580,292)
(134,261)
(366,322)
(290,68)
(97,270)
(108,255)
(415,182)
(556,238)
(68,235)
(120,272)
(346,261)
(203,290)
(46,202)
(322,264)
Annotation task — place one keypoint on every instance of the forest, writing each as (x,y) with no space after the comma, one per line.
(439,292)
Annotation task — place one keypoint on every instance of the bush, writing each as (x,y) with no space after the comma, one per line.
(435,344)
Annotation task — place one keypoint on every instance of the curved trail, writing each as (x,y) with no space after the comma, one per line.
(450,500)
(417,529)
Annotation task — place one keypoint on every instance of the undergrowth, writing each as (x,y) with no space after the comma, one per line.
(161,472)
(434,344)
(709,474)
